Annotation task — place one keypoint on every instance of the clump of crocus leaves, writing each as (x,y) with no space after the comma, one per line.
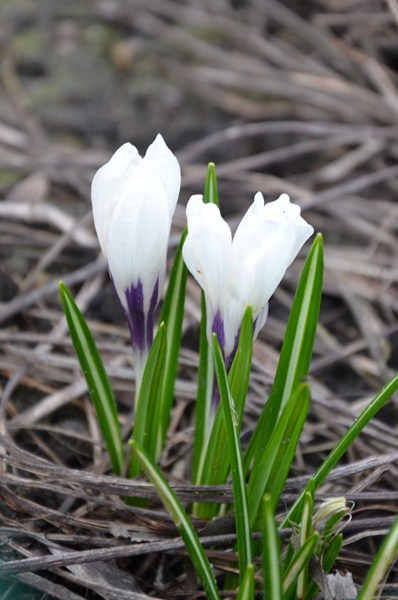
(133,204)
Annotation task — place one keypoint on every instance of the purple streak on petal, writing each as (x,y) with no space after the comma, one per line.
(218,329)
(215,400)
(136,316)
(229,359)
(151,314)
(140,324)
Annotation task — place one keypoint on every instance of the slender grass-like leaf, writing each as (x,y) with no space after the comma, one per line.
(173,505)
(305,531)
(271,550)
(299,564)
(97,380)
(385,558)
(206,371)
(296,351)
(216,462)
(146,418)
(243,531)
(332,552)
(210,193)
(336,454)
(292,547)
(172,315)
(271,468)
(328,558)
(246,589)
(239,373)
(204,400)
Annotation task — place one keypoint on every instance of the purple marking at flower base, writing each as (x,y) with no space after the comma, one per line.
(218,329)
(136,316)
(229,359)
(140,323)
(151,314)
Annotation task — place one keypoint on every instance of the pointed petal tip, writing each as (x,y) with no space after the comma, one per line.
(285,198)
(259,198)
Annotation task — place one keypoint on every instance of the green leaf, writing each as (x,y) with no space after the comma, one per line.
(299,564)
(296,351)
(328,558)
(173,505)
(246,589)
(271,468)
(172,315)
(146,419)
(331,553)
(211,188)
(204,400)
(243,531)
(385,558)
(205,372)
(215,464)
(304,534)
(296,529)
(97,381)
(336,454)
(239,374)
(271,543)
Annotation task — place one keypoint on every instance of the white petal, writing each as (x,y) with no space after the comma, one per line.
(138,237)
(233,311)
(260,321)
(266,242)
(207,249)
(133,203)
(162,162)
(106,188)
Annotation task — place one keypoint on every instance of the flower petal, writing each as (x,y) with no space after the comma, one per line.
(106,188)
(162,162)
(265,244)
(207,249)
(138,236)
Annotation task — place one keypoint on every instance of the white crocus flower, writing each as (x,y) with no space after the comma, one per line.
(235,272)
(133,202)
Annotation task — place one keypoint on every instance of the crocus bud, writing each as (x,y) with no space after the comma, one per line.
(133,202)
(246,269)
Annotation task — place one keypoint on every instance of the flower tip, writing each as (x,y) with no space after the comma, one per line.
(284,198)
(259,198)
(160,139)
(159,146)
(194,205)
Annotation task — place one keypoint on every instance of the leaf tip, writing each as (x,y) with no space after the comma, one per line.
(318,238)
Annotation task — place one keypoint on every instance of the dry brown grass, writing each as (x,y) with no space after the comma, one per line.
(283,99)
